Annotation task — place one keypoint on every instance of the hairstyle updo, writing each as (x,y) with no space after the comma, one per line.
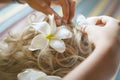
(15,56)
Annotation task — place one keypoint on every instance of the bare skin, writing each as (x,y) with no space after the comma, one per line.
(68,7)
(104,61)
(104,35)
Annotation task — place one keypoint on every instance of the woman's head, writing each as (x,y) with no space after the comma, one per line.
(17,55)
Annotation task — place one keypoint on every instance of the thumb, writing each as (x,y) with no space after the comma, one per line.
(87,25)
(93,20)
(90,31)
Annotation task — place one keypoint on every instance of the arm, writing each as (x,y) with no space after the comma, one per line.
(100,65)
(68,8)
(103,62)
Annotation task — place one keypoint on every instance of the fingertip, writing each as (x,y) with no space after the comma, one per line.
(99,21)
(65,8)
(58,22)
(105,19)
(83,29)
(64,21)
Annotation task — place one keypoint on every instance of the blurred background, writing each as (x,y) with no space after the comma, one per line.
(15,15)
(99,7)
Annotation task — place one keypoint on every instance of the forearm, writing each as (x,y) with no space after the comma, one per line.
(100,65)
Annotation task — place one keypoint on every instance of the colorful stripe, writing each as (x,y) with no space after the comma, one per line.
(13,18)
(13,25)
(90,6)
(4,15)
(98,8)
(112,8)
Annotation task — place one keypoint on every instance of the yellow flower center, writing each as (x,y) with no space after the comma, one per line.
(40,78)
(49,36)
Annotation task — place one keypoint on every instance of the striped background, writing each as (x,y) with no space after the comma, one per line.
(14,15)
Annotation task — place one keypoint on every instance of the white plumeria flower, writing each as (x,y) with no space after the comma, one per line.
(50,35)
(31,74)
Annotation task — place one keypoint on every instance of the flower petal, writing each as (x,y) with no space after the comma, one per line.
(54,78)
(58,45)
(38,42)
(42,27)
(81,21)
(63,33)
(52,24)
(30,74)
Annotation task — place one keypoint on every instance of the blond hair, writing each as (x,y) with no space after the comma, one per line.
(15,55)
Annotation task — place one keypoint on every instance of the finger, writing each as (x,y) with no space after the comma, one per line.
(93,20)
(71,9)
(85,29)
(44,7)
(108,21)
(65,7)
(105,19)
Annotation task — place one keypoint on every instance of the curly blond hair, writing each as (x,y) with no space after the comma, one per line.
(15,55)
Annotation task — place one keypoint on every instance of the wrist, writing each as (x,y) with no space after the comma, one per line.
(108,46)
(107,42)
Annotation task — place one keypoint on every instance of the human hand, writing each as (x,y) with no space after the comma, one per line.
(68,7)
(103,29)
(102,64)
